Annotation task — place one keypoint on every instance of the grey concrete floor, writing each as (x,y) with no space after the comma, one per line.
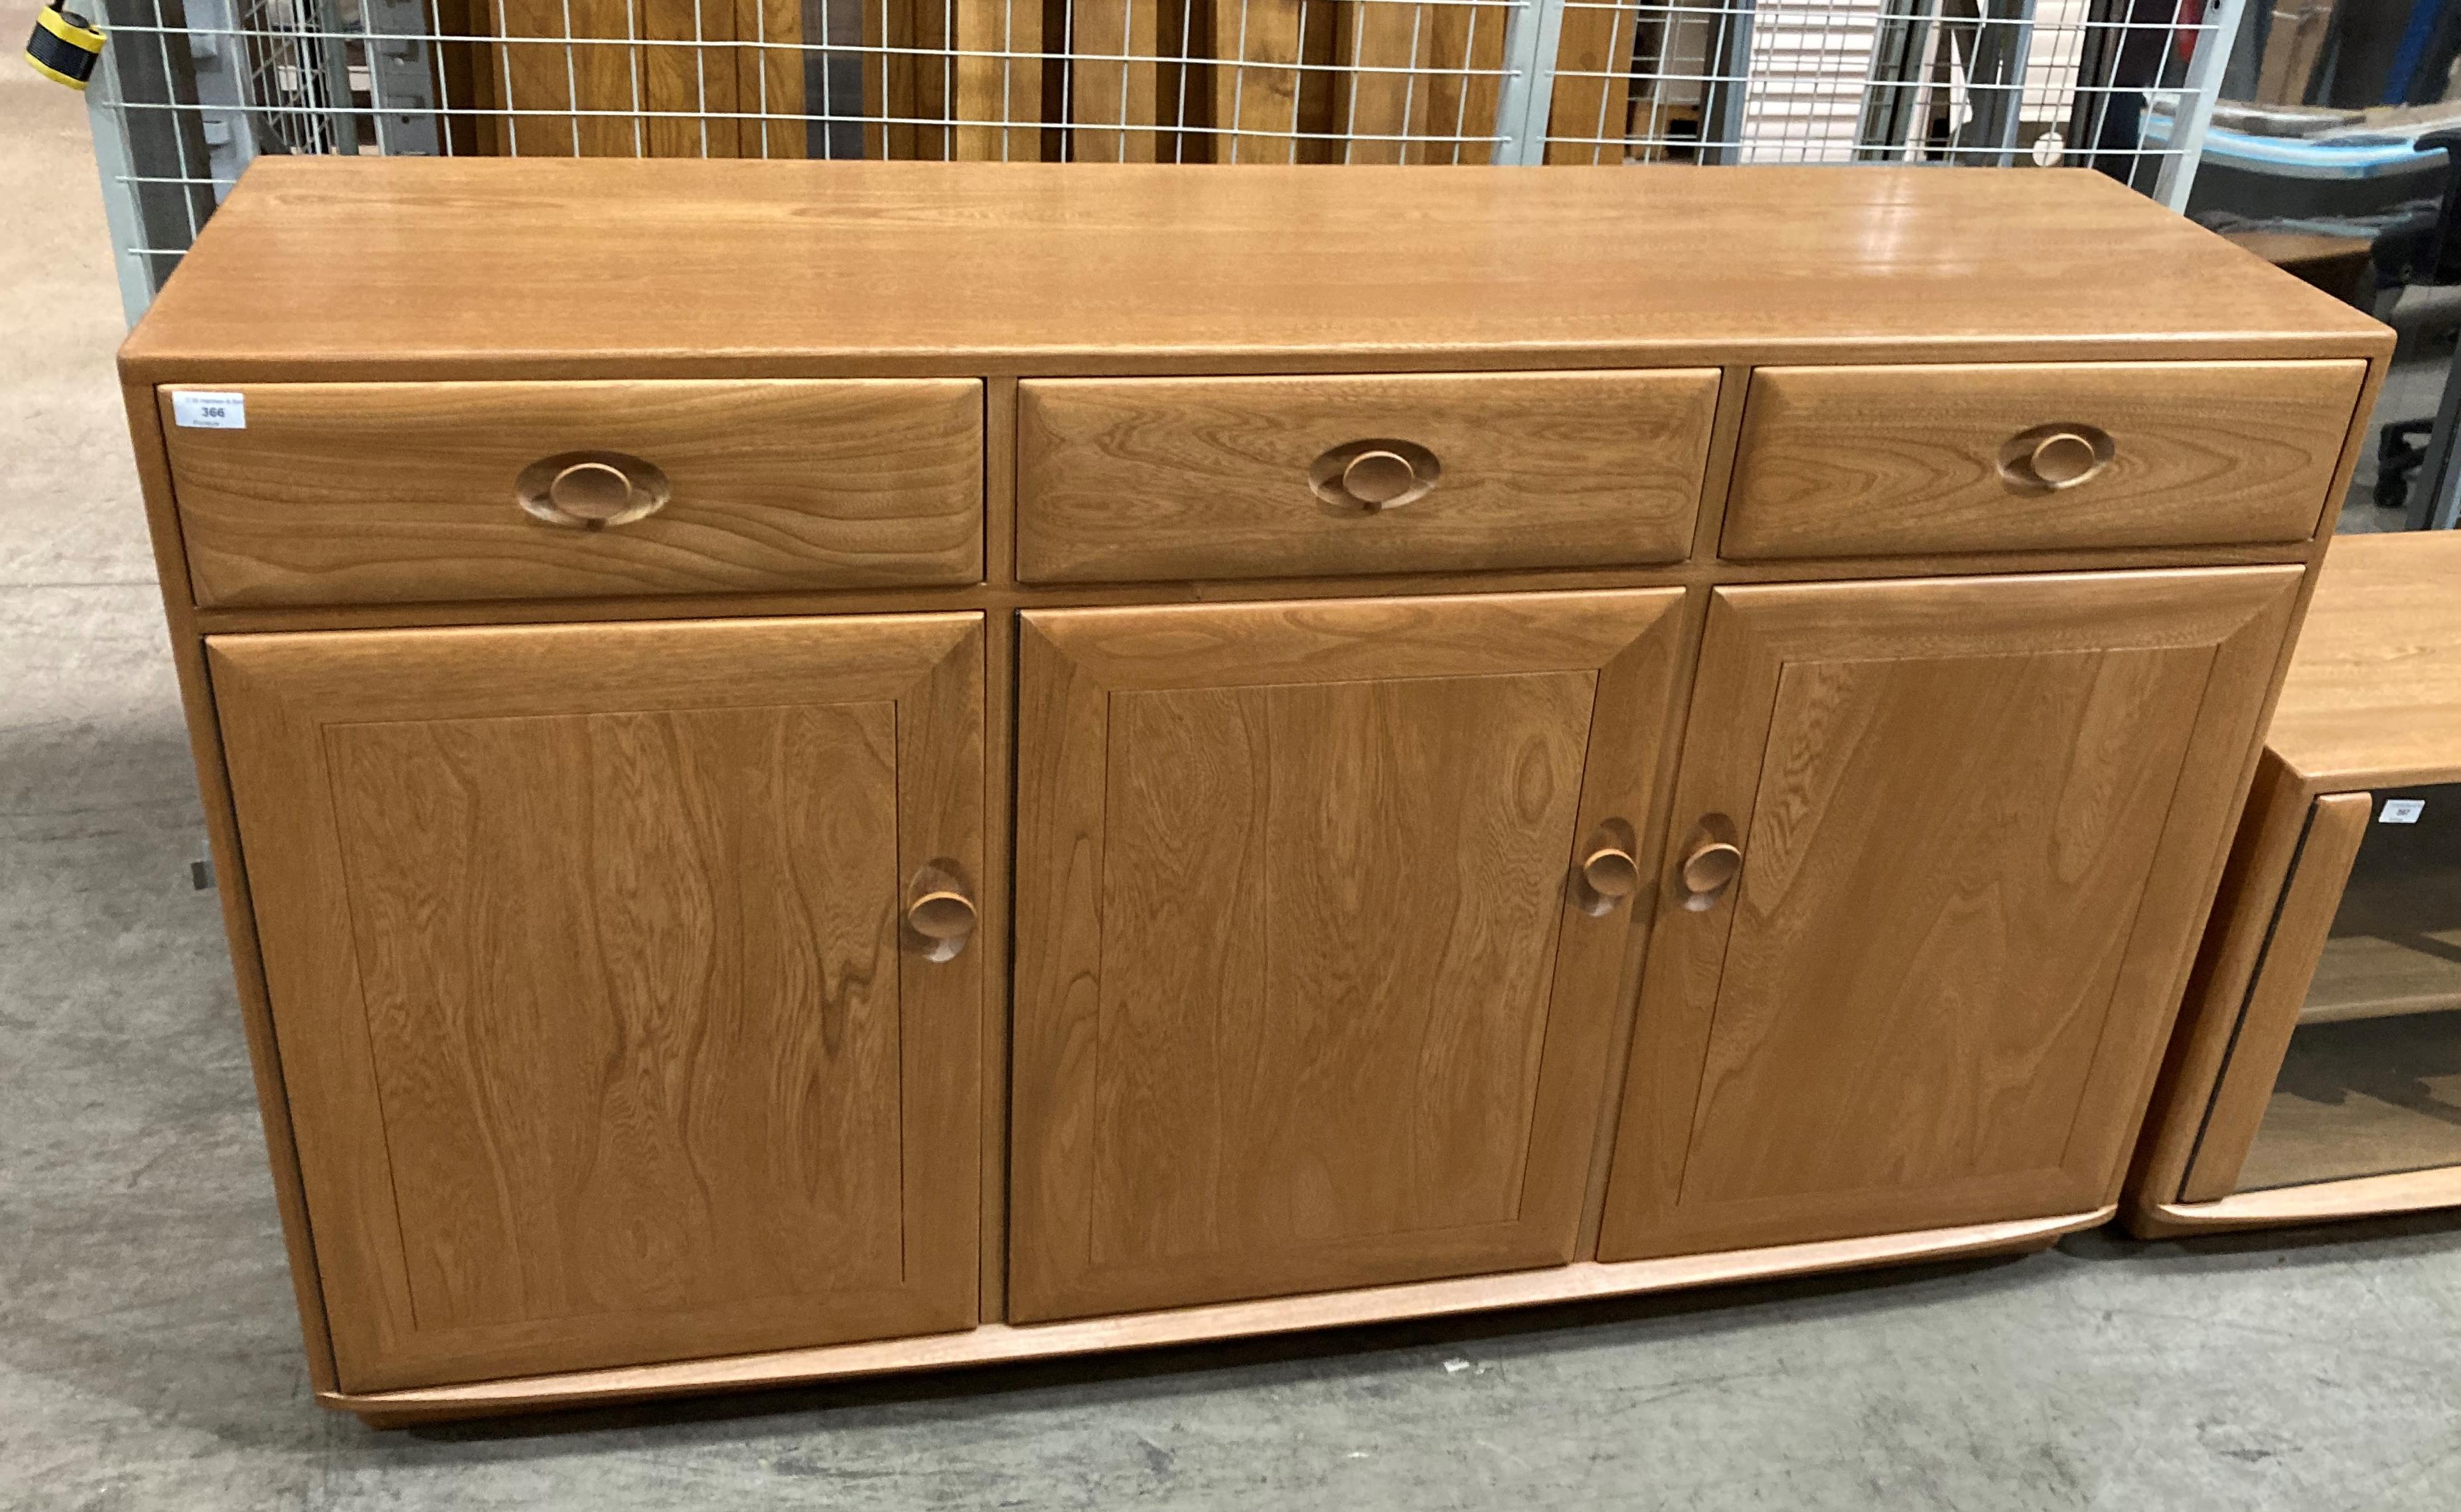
(149,1353)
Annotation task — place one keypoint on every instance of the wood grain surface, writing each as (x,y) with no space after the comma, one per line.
(1867,461)
(585,1043)
(2373,697)
(378,493)
(1209,478)
(1304,1000)
(1979,819)
(2293,938)
(791,269)
(585,955)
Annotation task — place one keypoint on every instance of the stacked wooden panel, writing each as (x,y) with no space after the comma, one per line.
(1082,80)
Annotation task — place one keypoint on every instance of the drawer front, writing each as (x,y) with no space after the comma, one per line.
(1879,462)
(1245,478)
(356,493)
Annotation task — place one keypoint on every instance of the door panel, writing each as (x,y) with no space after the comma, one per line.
(1970,981)
(1979,824)
(2296,929)
(586,945)
(1280,830)
(1308,995)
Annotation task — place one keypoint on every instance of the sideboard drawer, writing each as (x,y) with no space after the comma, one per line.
(355,492)
(1875,462)
(1272,476)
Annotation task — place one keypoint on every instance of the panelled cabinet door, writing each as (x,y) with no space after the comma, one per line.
(1313,985)
(607,1034)
(1979,823)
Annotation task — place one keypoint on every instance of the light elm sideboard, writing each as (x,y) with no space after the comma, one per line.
(829,768)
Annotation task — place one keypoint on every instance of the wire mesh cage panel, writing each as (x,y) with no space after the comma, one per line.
(2092,83)
(193,89)
(1140,80)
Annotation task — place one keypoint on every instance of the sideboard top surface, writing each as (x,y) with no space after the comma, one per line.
(437,269)
(2374,689)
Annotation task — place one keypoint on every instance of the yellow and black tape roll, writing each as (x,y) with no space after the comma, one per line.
(64,47)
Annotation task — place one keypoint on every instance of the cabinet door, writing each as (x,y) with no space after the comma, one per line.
(1314,989)
(606,1032)
(1978,824)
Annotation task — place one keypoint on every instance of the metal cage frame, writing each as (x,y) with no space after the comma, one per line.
(189,91)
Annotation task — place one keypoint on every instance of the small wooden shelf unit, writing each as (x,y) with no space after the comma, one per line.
(2317,1070)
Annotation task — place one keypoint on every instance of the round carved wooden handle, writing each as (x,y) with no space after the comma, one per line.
(1378,477)
(2064,458)
(1709,865)
(941,914)
(1374,475)
(1611,871)
(940,909)
(590,490)
(2055,456)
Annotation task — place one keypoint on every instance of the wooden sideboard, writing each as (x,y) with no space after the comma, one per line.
(824,768)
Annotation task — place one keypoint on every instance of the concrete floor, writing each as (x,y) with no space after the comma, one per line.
(149,1354)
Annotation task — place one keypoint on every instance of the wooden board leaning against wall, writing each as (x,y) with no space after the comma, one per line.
(1144,80)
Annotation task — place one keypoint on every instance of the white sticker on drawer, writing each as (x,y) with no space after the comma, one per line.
(200,410)
(2402,811)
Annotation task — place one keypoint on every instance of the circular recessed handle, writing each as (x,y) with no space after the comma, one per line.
(1611,871)
(1712,857)
(942,915)
(590,490)
(940,909)
(1374,475)
(2064,458)
(1377,478)
(1607,870)
(1711,864)
(2055,456)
